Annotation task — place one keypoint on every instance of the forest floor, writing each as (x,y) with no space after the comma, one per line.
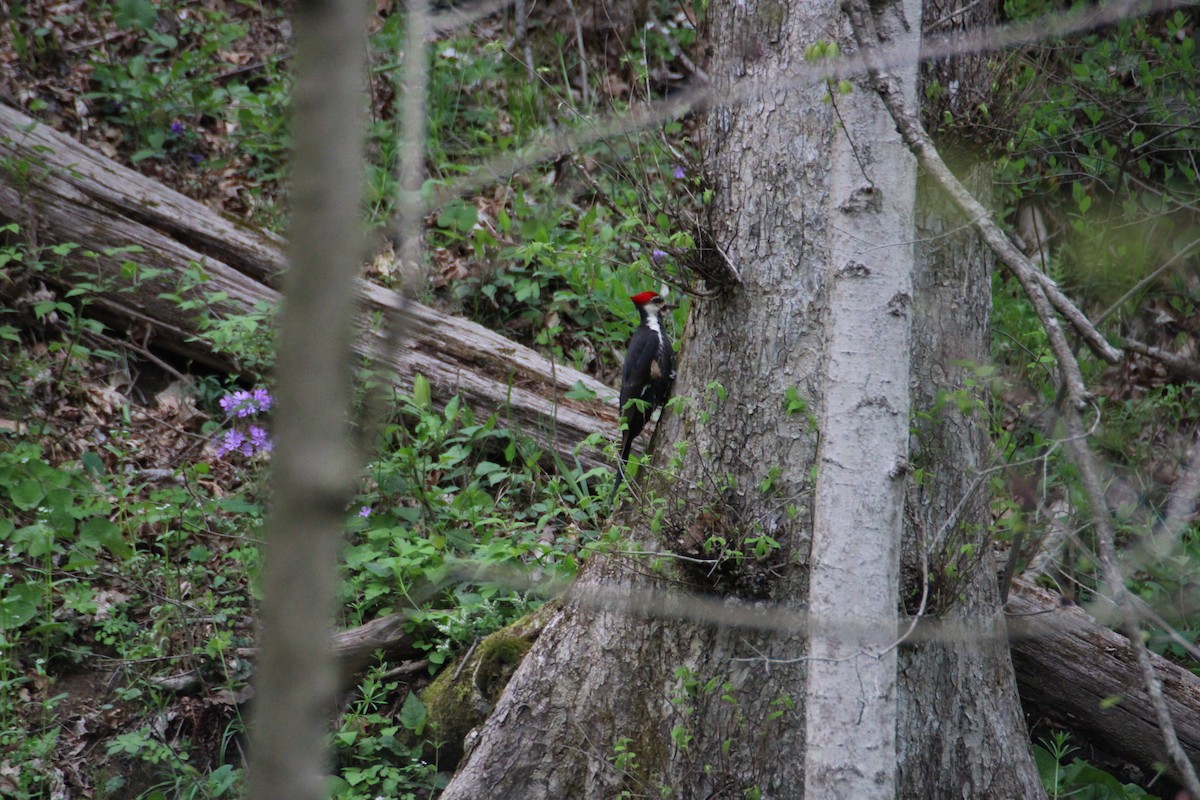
(133,510)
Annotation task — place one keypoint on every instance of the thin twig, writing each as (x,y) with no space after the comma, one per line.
(585,91)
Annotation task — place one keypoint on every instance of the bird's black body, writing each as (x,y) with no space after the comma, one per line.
(648,374)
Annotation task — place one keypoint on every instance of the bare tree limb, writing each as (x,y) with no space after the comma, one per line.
(1183,367)
(1070,668)
(59,191)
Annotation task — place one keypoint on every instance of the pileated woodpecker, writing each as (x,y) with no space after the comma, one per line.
(648,373)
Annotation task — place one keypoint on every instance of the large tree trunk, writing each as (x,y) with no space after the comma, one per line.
(939,720)
(609,700)
(956,696)
(863,461)
(60,191)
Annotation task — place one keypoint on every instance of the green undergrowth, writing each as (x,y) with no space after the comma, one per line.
(1141,432)
(1103,131)
(132,507)
(1097,136)
(1076,778)
(119,580)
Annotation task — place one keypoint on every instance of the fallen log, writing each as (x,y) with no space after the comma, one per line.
(191,260)
(1080,676)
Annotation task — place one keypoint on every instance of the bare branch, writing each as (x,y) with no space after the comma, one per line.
(1181,366)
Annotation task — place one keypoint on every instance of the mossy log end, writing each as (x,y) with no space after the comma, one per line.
(464,693)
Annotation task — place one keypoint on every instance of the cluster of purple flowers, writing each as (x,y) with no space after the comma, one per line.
(258,441)
(246,404)
(255,438)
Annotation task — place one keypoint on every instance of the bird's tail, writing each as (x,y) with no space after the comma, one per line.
(626,445)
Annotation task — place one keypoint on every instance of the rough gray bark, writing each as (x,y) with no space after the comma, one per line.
(313,466)
(60,191)
(955,697)
(592,709)
(863,458)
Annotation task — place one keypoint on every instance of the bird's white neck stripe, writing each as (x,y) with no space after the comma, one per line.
(652,319)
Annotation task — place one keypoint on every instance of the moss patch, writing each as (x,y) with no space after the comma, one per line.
(462,696)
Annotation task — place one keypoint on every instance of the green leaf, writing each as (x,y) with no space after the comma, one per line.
(135,13)
(27,494)
(199,554)
(580,392)
(20,604)
(458,215)
(101,532)
(413,714)
(421,391)
(236,504)
(93,463)
(34,540)
(452,409)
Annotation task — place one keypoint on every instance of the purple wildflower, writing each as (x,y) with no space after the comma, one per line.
(365,511)
(237,403)
(680,173)
(177,127)
(260,439)
(262,398)
(658,255)
(244,404)
(232,440)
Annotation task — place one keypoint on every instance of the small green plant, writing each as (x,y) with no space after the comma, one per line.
(450,496)
(624,756)
(1077,779)
(373,749)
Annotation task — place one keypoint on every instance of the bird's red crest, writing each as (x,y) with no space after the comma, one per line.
(643,298)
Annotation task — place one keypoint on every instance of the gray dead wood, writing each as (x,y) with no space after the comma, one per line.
(60,191)
(1083,677)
